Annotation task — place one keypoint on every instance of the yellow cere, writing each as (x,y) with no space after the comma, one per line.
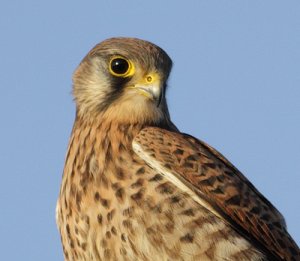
(152,78)
(149,78)
(145,85)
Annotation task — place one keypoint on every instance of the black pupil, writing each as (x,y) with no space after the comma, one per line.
(119,66)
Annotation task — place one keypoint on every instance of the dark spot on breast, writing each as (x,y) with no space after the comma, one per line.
(188,212)
(78,197)
(99,219)
(103,181)
(103,243)
(120,174)
(138,183)
(170,227)
(150,230)
(127,223)
(108,156)
(138,196)
(175,199)
(123,237)
(128,212)
(156,178)
(188,238)
(87,219)
(83,246)
(104,202)
(97,196)
(120,194)
(115,186)
(121,147)
(85,178)
(113,230)
(108,234)
(165,188)
(140,171)
(68,229)
(123,127)
(110,215)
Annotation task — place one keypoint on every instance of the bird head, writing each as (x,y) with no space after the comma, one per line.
(123,79)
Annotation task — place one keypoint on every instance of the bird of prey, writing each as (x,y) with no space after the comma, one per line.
(135,188)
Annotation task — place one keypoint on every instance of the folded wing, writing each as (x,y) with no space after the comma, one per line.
(214,182)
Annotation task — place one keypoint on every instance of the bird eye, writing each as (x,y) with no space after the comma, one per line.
(120,67)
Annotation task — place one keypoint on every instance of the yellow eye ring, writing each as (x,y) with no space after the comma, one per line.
(120,67)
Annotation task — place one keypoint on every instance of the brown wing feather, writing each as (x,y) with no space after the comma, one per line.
(210,175)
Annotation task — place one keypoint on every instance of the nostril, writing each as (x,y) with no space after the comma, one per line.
(149,78)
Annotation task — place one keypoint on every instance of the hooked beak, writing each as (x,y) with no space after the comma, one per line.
(151,88)
(153,92)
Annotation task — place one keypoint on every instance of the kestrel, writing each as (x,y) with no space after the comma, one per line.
(135,188)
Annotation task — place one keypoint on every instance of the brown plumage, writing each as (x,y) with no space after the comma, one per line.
(135,188)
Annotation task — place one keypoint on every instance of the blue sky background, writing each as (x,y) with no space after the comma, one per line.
(235,84)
